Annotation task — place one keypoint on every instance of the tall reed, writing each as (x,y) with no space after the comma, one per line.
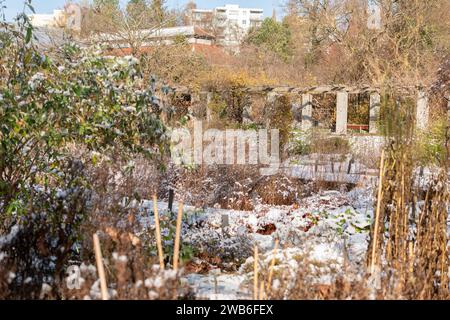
(409,232)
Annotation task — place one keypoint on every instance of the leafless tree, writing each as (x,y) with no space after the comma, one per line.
(128,28)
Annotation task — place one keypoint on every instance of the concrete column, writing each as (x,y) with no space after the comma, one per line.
(341,112)
(422,110)
(307,111)
(296,109)
(374,112)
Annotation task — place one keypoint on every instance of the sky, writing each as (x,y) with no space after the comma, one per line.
(46,6)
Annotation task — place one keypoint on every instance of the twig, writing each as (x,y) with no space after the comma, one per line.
(158,233)
(100,268)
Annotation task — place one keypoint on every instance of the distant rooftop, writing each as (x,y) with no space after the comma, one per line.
(187,31)
(229,7)
(236,6)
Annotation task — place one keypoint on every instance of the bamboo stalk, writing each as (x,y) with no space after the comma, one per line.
(158,233)
(405,219)
(255,274)
(272,264)
(100,268)
(176,250)
(377,214)
(411,257)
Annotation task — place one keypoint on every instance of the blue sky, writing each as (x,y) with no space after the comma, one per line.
(47,6)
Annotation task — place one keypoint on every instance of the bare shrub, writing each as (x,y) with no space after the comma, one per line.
(238,187)
(227,186)
(323,144)
(131,273)
(303,287)
(102,195)
(36,249)
(279,190)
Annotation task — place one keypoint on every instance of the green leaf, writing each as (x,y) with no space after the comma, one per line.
(29,34)
(30,7)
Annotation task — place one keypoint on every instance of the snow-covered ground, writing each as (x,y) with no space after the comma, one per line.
(328,230)
(324,234)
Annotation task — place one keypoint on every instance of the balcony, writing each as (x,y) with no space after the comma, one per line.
(258,17)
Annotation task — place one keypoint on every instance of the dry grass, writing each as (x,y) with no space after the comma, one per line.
(413,247)
(279,190)
(130,273)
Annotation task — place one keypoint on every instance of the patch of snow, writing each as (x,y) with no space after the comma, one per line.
(224,286)
(5,240)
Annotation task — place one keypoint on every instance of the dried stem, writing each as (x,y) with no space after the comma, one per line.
(377,215)
(158,233)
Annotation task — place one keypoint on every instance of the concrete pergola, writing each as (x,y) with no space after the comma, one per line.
(342,93)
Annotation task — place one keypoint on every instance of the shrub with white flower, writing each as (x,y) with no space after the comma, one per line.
(50,102)
(75,95)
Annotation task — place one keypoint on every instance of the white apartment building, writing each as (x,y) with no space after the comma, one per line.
(229,23)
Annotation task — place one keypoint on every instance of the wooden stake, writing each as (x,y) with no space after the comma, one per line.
(176,249)
(262,291)
(377,215)
(158,233)
(272,264)
(100,268)
(255,274)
